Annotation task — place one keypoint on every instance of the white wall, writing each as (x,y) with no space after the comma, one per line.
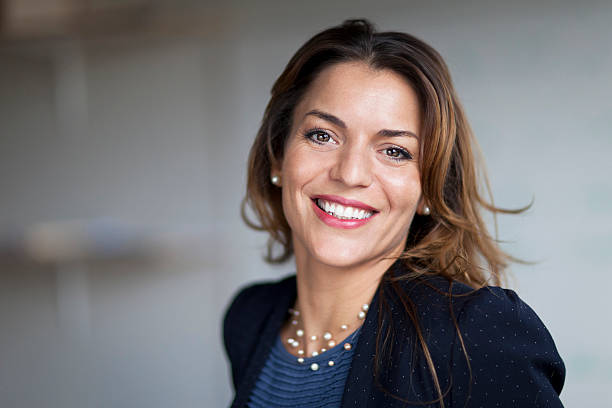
(158,137)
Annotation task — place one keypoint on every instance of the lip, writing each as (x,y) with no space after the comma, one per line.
(336,222)
(345,201)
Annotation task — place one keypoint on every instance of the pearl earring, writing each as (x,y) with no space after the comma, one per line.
(426,210)
(275,180)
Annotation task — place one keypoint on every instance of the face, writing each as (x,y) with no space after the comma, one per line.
(350,175)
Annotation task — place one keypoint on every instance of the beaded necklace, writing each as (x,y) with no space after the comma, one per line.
(300,337)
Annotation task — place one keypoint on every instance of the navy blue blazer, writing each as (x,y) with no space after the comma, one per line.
(513,361)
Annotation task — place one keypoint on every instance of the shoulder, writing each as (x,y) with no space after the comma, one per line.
(253,302)
(497,318)
(253,294)
(489,348)
(508,349)
(245,318)
(490,312)
(502,310)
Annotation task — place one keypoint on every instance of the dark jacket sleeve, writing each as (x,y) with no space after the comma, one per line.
(513,361)
(245,320)
(239,323)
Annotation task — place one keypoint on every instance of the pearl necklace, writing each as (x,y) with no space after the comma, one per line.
(327,336)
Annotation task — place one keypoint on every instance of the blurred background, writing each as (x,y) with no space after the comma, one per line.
(124,132)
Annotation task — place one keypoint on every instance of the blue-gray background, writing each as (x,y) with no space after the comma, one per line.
(122,166)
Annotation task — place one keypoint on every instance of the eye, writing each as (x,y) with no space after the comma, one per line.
(397,153)
(319,136)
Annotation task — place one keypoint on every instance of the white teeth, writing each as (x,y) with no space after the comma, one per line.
(339,211)
(348,212)
(342,212)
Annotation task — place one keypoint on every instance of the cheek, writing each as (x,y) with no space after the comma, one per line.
(298,170)
(404,192)
(300,166)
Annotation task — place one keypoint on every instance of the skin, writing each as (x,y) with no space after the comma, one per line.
(338,269)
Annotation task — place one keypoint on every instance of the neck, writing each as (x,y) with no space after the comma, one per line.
(330,296)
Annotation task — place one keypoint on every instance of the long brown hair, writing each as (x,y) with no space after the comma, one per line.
(453,241)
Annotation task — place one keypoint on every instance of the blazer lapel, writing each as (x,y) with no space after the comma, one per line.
(358,389)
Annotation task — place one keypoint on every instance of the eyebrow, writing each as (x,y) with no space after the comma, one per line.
(340,123)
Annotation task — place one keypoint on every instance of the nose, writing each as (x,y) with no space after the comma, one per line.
(352,166)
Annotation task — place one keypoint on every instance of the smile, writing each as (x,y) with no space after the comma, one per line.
(346,215)
(342,212)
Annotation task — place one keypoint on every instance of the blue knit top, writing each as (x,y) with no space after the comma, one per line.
(284,382)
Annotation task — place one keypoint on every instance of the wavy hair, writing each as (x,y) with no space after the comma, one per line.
(453,241)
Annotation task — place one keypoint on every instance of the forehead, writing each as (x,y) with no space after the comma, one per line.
(357,93)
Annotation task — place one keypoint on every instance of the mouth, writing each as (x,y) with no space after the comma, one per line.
(347,210)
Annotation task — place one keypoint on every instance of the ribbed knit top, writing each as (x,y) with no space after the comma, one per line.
(284,382)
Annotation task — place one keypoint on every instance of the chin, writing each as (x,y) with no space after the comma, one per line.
(339,257)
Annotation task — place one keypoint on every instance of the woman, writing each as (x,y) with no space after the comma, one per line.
(363,170)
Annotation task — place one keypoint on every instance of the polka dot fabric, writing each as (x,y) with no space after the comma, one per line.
(510,359)
(511,353)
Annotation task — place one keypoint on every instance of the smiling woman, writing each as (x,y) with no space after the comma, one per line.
(363,170)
